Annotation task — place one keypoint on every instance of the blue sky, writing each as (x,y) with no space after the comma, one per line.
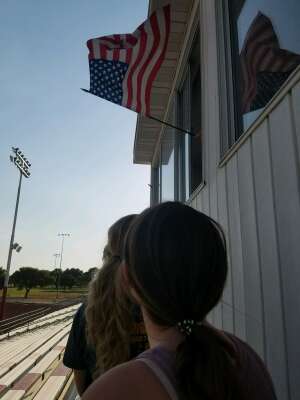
(80,147)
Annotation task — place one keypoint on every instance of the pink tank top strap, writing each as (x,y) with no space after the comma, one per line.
(160,360)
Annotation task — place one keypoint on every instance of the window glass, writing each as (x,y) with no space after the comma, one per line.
(187,169)
(266,50)
(190,119)
(159,179)
(167,166)
(195,141)
(184,122)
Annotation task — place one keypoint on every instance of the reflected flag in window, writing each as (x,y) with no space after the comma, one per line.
(264,65)
(123,67)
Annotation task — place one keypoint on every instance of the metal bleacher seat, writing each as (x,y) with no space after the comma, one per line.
(31,362)
(54,384)
(43,321)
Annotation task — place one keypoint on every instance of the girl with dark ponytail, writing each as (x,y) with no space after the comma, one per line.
(175,266)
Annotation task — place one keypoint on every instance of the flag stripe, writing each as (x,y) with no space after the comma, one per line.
(109,40)
(153,42)
(261,54)
(116,53)
(129,56)
(96,49)
(90,45)
(131,39)
(260,37)
(250,85)
(166,28)
(124,66)
(136,84)
(122,55)
(103,52)
(159,33)
(138,55)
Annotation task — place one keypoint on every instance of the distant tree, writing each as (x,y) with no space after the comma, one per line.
(2,277)
(26,278)
(46,278)
(88,276)
(71,277)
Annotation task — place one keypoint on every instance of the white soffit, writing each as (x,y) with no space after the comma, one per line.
(147,131)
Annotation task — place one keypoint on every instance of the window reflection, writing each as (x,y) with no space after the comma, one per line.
(196,125)
(268,41)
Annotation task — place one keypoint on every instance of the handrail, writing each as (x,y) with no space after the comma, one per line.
(23,314)
(21,317)
(58,315)
(22,322)
(6,328)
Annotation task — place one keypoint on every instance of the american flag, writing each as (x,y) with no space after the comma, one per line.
(264,65)
(123,67)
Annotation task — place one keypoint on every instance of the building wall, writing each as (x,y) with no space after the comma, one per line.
(255,194)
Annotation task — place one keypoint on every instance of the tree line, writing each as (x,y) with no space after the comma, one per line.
(29,277)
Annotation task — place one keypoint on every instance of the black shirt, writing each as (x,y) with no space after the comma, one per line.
(79,355)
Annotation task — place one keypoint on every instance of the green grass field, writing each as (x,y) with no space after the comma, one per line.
(47,293)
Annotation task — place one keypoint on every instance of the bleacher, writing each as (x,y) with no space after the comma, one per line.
(9,324)
(31,359)
(61,314)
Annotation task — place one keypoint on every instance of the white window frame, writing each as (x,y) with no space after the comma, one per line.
(228,114)
(179,150)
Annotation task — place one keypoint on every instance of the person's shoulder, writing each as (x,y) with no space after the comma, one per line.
(243,350)
(242,347)
(133,380)
(125,381)
(253,372)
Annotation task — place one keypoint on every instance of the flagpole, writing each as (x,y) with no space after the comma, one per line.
(170,125)
(151,117)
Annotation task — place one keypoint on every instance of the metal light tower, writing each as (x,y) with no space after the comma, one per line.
(23,166)
(63,236)
(56,255)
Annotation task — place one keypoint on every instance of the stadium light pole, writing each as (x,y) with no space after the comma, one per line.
(63,236)
(23,166)
(56,255)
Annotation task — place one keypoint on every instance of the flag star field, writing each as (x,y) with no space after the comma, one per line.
(107,78)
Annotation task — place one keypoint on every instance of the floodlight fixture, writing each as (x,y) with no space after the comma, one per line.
(17,247)
(20,162)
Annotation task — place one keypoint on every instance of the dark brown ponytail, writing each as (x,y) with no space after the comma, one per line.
(177,263)
(206,366)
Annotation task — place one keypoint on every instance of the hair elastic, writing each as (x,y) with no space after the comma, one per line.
(187,325)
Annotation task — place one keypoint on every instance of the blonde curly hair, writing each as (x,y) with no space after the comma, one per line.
(109,320)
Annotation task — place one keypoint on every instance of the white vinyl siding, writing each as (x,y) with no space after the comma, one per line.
(255,195)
